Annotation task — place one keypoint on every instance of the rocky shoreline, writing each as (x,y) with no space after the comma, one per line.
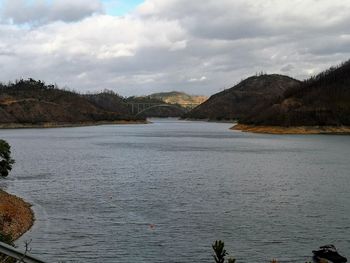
(345,130)
(16,215)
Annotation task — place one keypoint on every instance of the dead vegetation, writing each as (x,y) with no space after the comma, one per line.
(16,216)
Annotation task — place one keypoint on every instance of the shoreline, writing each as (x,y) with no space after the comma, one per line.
(16,215)
(208,120)
(49,125)
(302,130)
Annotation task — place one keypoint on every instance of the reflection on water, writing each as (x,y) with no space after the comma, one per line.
(164,192)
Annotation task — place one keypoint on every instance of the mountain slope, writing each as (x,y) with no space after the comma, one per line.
(175,97)
(243,99)
(109,101)
(33,102)
(323,100)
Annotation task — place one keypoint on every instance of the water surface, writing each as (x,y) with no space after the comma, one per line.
(164,192)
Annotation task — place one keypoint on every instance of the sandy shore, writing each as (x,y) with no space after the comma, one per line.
(16,215)
(293,130)
(67,125)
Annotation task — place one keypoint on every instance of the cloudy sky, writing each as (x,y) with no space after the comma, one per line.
(139,47)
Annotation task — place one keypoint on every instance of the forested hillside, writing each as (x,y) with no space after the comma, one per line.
(34,102)
(323,100)
(240,101)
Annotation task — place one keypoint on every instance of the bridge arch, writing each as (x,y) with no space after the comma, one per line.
(138,107)
(184,110)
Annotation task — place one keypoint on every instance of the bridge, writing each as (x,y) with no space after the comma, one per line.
(139,107)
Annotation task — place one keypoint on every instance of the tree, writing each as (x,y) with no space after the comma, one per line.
(6,161)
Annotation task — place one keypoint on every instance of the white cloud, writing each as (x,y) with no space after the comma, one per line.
(203,78)
(164,45)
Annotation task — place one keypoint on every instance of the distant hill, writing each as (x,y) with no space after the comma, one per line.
(163,112)
(109,101)
(180,101)
(175,97)
(323,100)
(30,102)
(240,101)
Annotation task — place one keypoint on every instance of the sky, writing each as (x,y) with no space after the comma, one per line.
(137,47)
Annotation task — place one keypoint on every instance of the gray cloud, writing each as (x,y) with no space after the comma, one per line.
(287,68)
(41,11)
(174,44)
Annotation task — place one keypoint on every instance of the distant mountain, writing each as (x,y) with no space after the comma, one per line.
(30,102)
(175,97)
(163,112)
(323,100)
(244,99)
(179,103)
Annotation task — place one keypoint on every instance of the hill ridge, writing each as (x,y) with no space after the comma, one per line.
(33,102)
(241,100)
(322,100)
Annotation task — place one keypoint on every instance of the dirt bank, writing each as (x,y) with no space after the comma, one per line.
(66,125)
(16,215)
(293,130)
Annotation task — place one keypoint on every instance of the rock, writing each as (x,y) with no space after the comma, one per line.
(330,253)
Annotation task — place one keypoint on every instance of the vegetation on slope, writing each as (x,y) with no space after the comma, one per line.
(176,97)
(143,99)
(109,101)
(323,100)
(240,101)
(34,102)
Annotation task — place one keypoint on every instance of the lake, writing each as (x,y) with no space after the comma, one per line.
(164,192)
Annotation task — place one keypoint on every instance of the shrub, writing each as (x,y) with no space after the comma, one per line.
(6,161)
(220,252)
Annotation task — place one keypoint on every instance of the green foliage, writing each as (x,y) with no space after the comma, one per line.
(6,161)
(220,253)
